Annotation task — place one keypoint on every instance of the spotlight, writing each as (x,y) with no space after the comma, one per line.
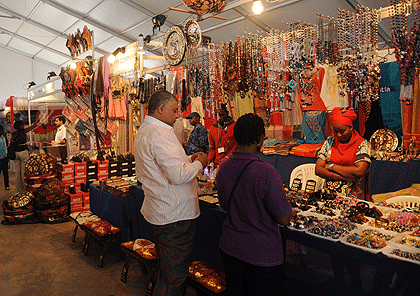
(30,84)
(111,58)
(73,65)
(51,74)
(257,7)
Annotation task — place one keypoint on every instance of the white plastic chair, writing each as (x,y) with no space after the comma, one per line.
(306,172)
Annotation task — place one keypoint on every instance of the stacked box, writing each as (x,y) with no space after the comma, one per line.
(132,168)
(91,172)
(80,174)
(65,172)
(86,201)
(113,169)
(125,166)
(76,202)
(103,169)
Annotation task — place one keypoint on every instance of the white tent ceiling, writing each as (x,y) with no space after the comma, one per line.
(39,28)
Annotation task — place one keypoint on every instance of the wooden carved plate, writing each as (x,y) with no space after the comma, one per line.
(193,32)
(384,140)
(174,45)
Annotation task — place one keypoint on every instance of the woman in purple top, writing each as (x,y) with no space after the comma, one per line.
(252,193)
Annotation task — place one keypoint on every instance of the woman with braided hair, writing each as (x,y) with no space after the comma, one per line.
(252,193)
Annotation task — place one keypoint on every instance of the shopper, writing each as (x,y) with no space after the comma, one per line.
(60,136)
(4,160)
(22,150)
(343,161)
(221,139)
(168,177)
(252,193)
(199,140)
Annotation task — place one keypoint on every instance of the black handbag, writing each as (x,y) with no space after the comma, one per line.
(11,152)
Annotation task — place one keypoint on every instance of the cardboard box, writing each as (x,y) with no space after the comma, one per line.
(76,207)
(92,167)
(80,166)
(76,198)
(102,178)
(86,208)
(79,180)
(102,172)
(65,168)
(102,164)
(80,174)
(86,198)
(66,176)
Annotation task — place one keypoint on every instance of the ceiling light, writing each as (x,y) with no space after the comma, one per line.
(257,7)
(111,58)
(73,65)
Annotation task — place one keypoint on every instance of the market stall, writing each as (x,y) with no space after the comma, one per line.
(209,227)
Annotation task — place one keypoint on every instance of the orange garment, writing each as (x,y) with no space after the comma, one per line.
(317,103)
(221,138)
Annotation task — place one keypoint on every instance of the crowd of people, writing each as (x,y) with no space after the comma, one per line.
(16,139)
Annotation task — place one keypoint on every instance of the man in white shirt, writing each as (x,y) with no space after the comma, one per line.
(60,136)
(168,177)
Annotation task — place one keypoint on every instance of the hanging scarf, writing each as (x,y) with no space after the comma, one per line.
(345,154)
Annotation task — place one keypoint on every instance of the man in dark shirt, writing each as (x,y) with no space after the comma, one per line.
(199,140)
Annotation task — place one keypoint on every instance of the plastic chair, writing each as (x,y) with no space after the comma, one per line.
(306,173)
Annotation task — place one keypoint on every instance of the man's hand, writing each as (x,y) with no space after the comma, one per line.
(203,159)
(195,155)
(53,142)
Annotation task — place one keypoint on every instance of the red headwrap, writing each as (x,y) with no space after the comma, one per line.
(344,116)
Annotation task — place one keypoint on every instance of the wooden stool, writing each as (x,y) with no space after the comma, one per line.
(79,218)
(141,249)
(206,279)
(104,232)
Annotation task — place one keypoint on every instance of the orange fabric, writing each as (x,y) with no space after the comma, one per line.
(345,154)
(317,103)
(306,150)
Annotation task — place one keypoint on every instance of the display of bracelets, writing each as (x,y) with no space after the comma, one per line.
(324,210)
(370,238)
(398,222)
(410,241)
(333,228)
(406,254)
(303,222)
(341,203)
(354,215)
(389,205)
(415,233)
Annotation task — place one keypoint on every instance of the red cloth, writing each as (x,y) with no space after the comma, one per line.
(345,154)
(343,116)
(9,103)
(306,150)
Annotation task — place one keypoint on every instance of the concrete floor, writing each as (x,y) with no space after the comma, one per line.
(40,259)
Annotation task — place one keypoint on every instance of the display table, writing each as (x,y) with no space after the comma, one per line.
(119,211)
(125,213)
(385,176)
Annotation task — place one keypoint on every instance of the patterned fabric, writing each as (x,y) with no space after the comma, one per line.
(346,188)
(313,125)
(3,147)
(198,139)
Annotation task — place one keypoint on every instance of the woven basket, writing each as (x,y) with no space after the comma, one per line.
(407,201)
(37,165)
